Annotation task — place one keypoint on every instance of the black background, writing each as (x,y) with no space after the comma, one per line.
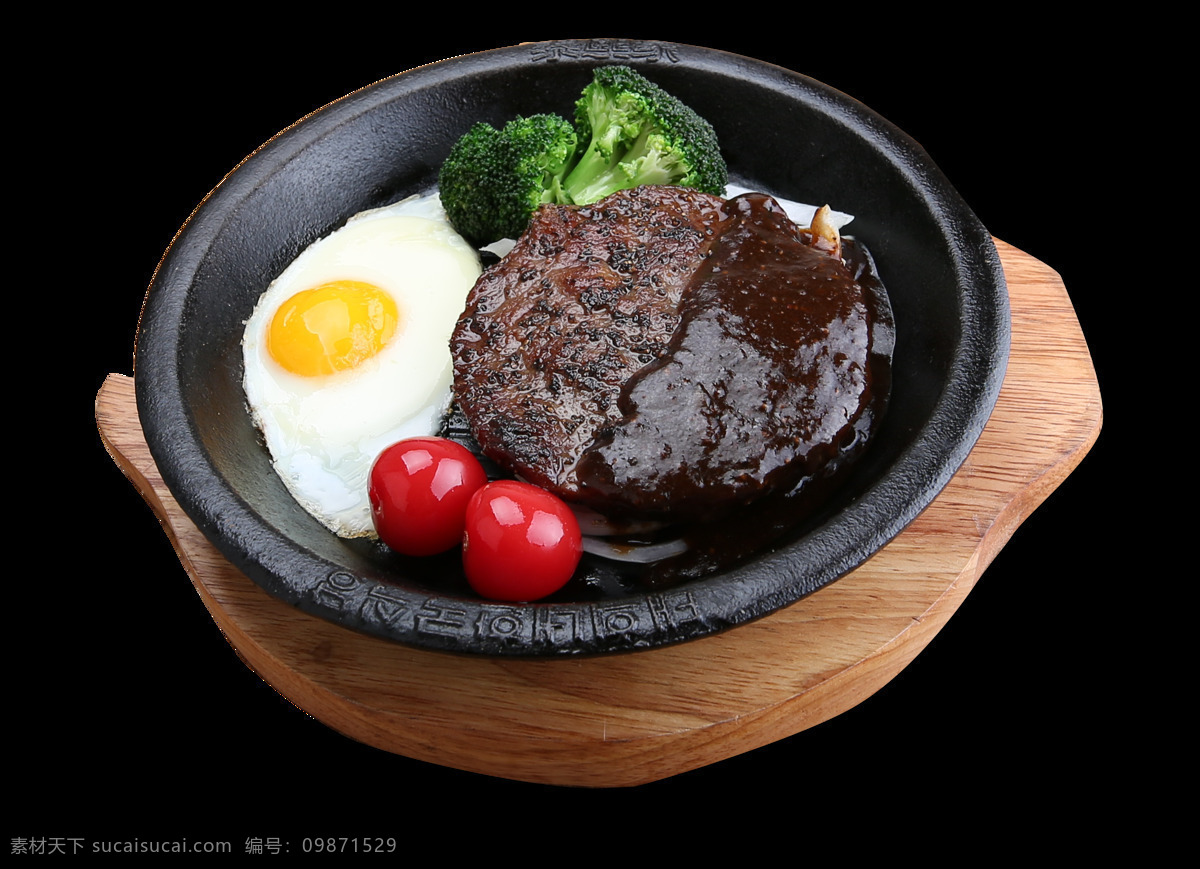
(136,719)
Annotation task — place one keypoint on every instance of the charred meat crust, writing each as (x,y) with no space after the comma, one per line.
(550,335)
(665,353)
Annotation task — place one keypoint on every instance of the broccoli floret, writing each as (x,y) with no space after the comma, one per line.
(628,132)
(637,133)
(492,180)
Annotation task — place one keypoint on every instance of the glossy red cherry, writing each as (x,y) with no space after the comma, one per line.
(419,490)
(521,542)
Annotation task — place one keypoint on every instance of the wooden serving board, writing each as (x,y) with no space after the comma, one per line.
(634,718)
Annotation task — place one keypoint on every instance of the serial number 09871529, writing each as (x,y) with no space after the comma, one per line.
(348,845)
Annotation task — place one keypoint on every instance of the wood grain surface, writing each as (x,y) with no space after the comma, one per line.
(635,718)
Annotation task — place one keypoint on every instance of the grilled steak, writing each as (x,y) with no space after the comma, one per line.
(665,353)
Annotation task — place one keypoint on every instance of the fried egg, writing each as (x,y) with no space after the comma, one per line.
(347,352)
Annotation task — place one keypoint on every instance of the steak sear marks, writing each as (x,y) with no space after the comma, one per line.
(551,334)
(666,354)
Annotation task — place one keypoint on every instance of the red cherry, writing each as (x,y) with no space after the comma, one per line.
(521,542)
(419,490)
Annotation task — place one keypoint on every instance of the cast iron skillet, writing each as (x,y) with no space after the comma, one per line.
(385,142)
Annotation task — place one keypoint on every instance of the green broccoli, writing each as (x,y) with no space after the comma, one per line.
(637,133)
(492,180)
(628,132)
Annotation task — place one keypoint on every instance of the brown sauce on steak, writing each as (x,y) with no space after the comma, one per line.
(552,333)
(761,385)
(664,354)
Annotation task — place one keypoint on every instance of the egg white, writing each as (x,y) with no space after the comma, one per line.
(324,433)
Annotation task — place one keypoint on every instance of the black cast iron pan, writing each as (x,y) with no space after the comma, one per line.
(779,131)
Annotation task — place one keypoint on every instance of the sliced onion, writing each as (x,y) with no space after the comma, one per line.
(599,533)
(594,524)
(637,553)
(800,213)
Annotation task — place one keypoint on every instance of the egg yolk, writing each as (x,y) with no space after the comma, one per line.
(332,327)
